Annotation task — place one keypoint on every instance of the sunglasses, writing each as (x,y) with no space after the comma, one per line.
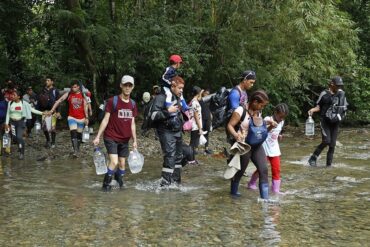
(250,73)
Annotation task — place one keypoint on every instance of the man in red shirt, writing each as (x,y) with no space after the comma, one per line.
(77,114)
(119,127)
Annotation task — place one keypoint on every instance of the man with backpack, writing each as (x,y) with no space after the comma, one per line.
(45,101)
(78,116)
(118,126)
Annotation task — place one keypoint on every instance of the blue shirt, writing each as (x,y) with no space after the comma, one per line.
(237,97)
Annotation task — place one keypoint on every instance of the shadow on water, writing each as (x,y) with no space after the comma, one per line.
(58,202)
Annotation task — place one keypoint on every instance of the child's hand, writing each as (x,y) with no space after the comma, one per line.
(280,137)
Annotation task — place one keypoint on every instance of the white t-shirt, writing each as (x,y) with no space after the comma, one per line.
(271,145)
(195,107)
(245,124)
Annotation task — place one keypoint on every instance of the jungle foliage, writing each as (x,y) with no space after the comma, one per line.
(294,46)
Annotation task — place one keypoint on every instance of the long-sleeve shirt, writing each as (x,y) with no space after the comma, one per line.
(18,110)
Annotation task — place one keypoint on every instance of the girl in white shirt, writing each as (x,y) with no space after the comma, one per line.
(271,147)
(196,116)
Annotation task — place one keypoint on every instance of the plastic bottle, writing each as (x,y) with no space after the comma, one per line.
(99,161)
(37,127)
(86,134)
(6,140)
(310,126)
(135,161)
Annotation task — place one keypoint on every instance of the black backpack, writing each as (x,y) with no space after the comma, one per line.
(338,109)
(218,107)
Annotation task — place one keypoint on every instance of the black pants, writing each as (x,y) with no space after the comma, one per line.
(194,139)
(30,123)
(17,129)
(329,133)
(258,157)
(207,127)
(171,144)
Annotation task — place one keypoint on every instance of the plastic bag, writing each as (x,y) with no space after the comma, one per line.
(135,161)
(202,140)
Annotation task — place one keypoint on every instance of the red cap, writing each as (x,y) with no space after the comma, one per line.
(175,58)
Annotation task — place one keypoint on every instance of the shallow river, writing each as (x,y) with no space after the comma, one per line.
(60,202)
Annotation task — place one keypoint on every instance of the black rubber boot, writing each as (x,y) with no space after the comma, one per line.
(21,153)
(75,147)
(234,189)
(47,136)
(176,176)
(106,182)
(53,136)
(118,178)
(166,179)
(312,160)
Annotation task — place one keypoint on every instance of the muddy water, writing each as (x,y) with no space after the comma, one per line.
(58,202)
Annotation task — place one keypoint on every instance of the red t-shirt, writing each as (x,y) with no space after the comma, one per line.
(119,125)
(76,107)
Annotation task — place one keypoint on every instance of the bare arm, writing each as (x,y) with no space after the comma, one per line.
(235,119)
(102,127)
(133,130)
(198,121)
(313,110)
(57,103)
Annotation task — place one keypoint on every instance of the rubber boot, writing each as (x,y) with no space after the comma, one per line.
(79,141)
(106,182)
(312,160)
(119,178)
(21,153)
(264,190)
(166,179)
(275,186)
(47,136)
(53,136)
(234,189)
(75,147)
(252,185)
(176,175)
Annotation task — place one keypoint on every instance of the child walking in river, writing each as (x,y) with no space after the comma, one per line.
(271,147)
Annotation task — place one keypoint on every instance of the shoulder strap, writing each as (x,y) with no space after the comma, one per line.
(244,114)
(115,102)
(133,103)
(239,91)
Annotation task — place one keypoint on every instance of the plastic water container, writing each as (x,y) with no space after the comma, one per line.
(99,161)
(6,140)
(37,127)
(135,161)
(48,123)
(86,134)
(310,127)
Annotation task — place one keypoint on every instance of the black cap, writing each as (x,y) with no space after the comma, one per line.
(248,75)
(337,80)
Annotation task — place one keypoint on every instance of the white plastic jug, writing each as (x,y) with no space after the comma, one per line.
(135,161)
(86,134)
(6,140)
(310,126)
(99,161)
(37,127)
(48,123)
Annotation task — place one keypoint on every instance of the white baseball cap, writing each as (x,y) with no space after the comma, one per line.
(127,79)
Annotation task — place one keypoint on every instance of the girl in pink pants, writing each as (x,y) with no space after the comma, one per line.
(271,147)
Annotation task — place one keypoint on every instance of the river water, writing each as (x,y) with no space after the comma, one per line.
(59,202)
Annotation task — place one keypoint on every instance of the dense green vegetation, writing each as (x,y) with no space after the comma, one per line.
(294,46)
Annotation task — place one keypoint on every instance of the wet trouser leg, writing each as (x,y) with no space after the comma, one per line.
(168,140)
(176,176)
(259,159)
(18,128)
(194,139)
(334,127)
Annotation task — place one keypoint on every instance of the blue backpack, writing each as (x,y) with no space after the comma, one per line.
(115,102)
(256,134)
